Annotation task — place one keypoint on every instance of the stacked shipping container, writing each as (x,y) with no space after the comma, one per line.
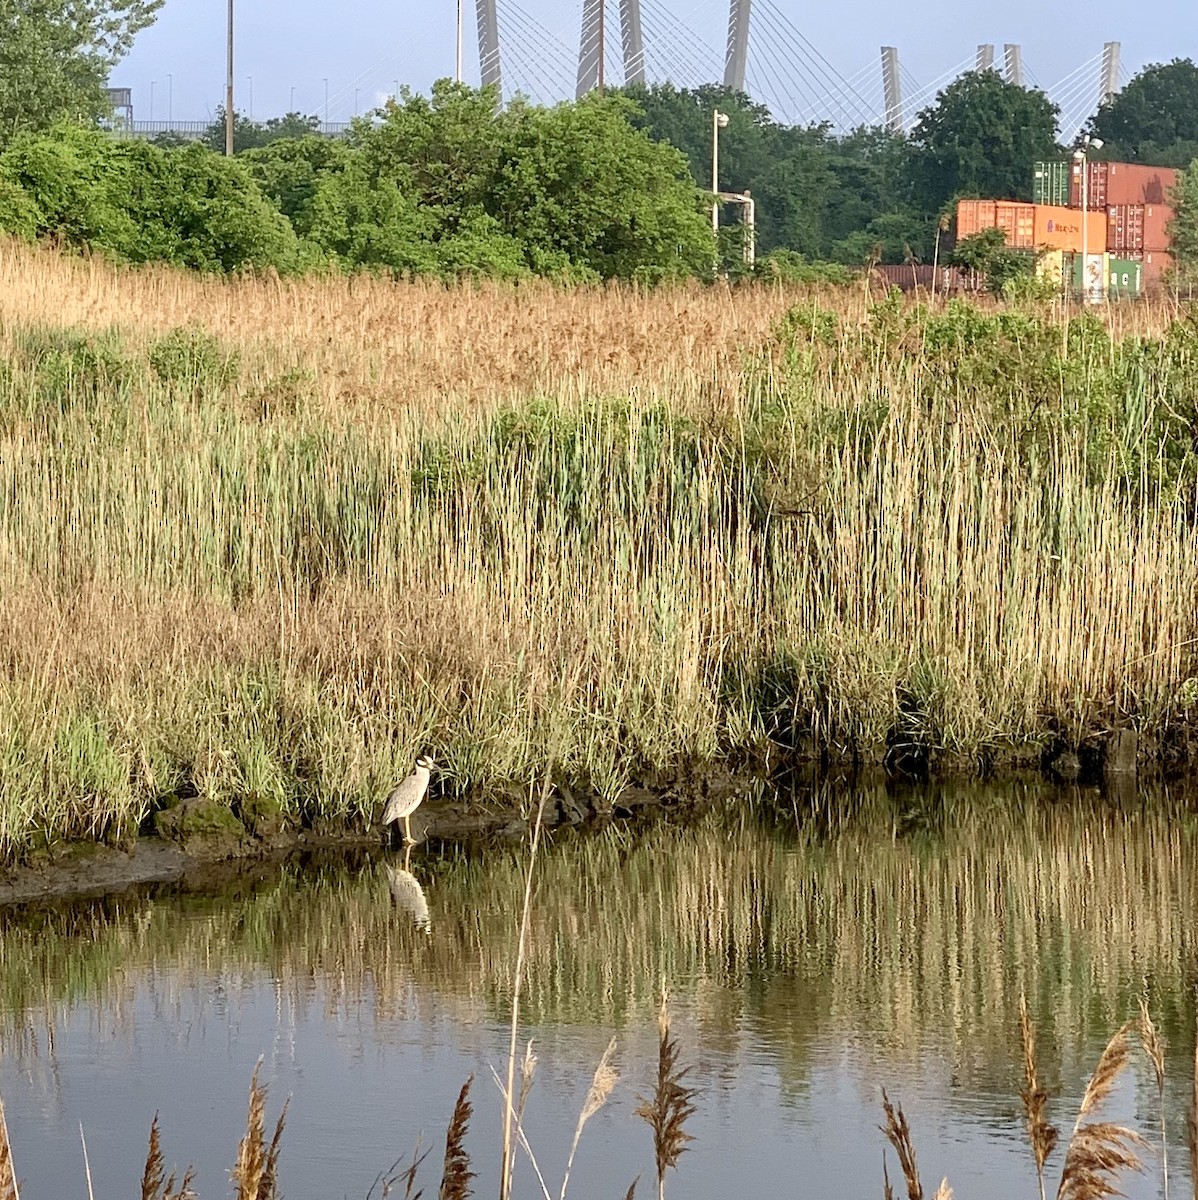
(1134,199)
(1032,226)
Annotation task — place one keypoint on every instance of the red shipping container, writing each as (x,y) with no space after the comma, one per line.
(1133,228)
(1122,183)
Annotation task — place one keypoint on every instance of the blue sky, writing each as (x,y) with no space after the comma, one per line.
(805,59)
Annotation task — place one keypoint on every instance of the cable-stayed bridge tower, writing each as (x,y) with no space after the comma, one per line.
(592,45)
(737,59)
(488,42)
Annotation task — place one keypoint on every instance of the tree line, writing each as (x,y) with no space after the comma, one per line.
(457,184)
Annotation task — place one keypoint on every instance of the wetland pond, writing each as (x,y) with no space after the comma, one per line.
(815,952)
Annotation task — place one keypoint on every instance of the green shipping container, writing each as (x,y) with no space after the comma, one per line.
(1050,182)
(1125,278)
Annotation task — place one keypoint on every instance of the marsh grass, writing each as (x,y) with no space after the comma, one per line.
(272,536)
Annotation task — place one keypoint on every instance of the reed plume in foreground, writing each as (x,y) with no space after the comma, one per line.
(256,1171)
(671,1105)
(1154,1050)
(604,1080)
(456,1174)
(898,1133)
(8,1179)
(152,1185)
(1041,1133)
(1099,1150)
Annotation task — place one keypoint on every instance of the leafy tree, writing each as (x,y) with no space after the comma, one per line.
(81,187)
(1183,230)
(56,56)
(290,171)
(250,135)
(1154,119)
(579,185)
(979,139)
(988,254)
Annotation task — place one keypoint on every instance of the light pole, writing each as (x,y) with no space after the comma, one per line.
(719,121)
(229,89)
(170,98)
(326,101)
(1081,156)
(291,102)
(457,73)
(356,90)
(152,82)
(251,95)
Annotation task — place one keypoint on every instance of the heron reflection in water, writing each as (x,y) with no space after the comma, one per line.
(406,892)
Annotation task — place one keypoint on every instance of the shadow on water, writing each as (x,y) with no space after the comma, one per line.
(847,939)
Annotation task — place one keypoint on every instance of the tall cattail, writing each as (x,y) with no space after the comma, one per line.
(670,1106)
(456,1174)
(1041,1133)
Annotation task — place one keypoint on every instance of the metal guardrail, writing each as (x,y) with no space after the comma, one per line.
(195,130)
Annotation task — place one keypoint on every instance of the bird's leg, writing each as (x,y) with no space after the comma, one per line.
(407,829)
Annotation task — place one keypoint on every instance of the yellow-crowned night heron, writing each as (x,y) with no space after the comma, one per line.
(406,797)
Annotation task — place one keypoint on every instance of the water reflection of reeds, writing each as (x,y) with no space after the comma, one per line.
(913,920)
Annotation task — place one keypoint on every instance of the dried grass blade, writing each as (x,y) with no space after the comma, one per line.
(1154,1051)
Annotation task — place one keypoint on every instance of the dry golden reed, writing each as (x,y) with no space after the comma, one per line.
(255,1172)
(1042,1134)
(1098,1151)
(8,1179)
(671,1105)
(456,1173)
(1154,1050)
(898,1134)
(154,1185)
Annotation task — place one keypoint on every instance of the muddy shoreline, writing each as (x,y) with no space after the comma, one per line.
(200,846)
(201,854)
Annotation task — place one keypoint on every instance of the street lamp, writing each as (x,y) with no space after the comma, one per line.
(326,102)
(1081,156)
(251,95)
(170,98)
(152,83)
(719,121)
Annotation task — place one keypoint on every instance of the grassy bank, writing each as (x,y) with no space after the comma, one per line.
(268,539)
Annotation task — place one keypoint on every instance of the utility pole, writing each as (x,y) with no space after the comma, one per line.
(229,91)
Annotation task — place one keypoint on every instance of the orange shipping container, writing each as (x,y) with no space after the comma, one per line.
(1122,183)
(1016,220)
(1061,229)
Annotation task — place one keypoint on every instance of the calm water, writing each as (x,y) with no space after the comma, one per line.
(811,962)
